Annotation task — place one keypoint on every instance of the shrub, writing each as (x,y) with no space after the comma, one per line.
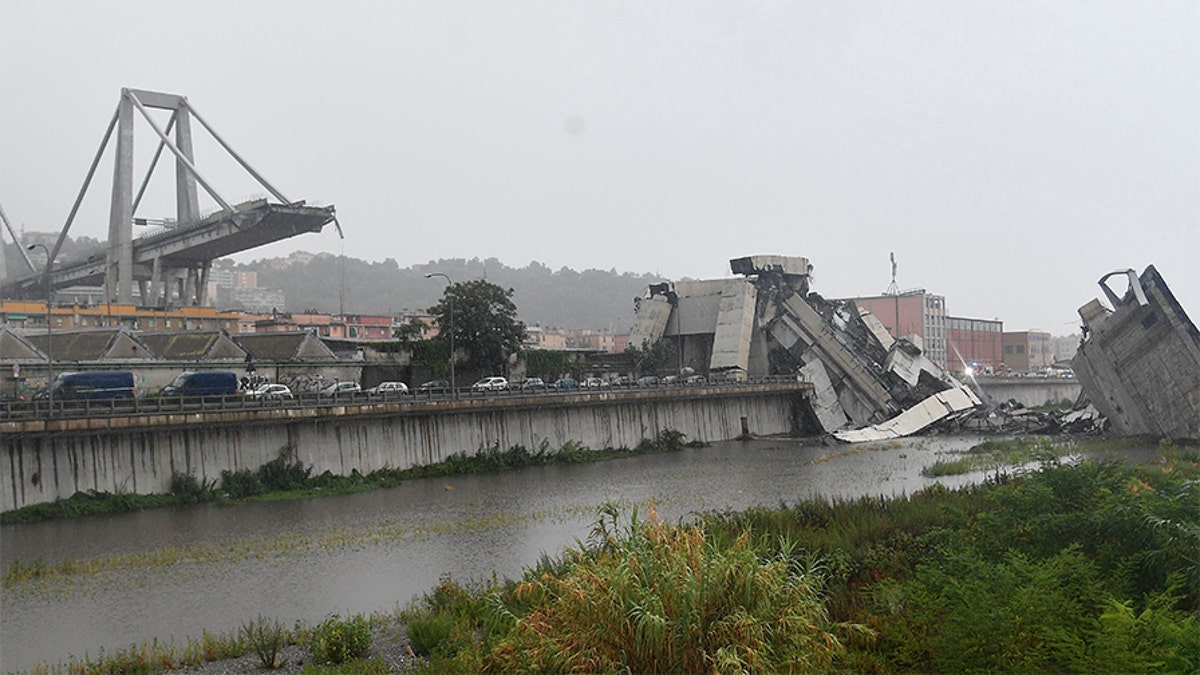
(656,598)
(184,484)
(267,638)
(280,474)
(187,485)
(335,640)
(445,620)
(428,632)
(241,483)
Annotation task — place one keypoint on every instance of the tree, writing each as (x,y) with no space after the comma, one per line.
(548,363)
(651,358)
(410,332)
(484,323)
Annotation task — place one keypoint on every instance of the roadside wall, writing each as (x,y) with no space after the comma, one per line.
(1031,392)
(44,461)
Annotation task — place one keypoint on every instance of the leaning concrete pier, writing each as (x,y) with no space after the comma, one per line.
(44,460)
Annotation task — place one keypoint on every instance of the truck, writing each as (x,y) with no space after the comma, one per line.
(94,384)
(202,383)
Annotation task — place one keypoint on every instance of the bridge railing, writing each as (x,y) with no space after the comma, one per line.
(43,408)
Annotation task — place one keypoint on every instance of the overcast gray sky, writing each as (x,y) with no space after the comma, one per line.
(1010,153)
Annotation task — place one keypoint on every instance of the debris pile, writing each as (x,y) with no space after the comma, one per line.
(867,385)
(1010,417)
(1139,362)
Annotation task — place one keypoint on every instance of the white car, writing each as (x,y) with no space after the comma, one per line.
(388,389)
(270,391)
(490,384)
(341,389)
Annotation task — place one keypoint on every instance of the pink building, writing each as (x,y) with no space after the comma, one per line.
(912,313)
(367,327)
(974,343)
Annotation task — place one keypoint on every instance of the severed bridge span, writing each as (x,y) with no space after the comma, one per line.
(168,266)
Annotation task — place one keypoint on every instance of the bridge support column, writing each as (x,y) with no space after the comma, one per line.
(186,203)
(202,291)
(120,221)
(155,284)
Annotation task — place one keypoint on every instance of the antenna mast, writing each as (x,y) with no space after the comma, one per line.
(893,289)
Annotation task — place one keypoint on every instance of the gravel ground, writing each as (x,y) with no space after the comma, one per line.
(389,643)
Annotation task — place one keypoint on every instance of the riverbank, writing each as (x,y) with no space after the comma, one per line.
(1088,567)
(187,570)
(285,478)
(390,652)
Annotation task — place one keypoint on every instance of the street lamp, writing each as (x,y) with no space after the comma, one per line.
(449,326)
(107,299)
(49,326)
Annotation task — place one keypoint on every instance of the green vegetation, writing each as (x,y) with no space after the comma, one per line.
(287,478)
(549,364)
(661,356)
(998,454)
(151,657)
(1094,568)
(483,320)
(335,640)
(336,645)
(266,638)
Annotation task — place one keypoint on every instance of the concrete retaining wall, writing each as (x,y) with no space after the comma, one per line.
(45,461)
(1031,392)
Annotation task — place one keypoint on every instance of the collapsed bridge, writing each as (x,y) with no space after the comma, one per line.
(867,384)
(170,265)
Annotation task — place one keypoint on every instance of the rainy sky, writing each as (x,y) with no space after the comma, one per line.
(1009,153)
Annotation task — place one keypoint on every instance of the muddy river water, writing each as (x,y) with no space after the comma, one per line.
(173,573)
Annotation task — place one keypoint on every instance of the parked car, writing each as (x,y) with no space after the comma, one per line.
(490,384)
(388,389)
(533,384)
(694,379)
(647,381)
(265,391)
(593,383)
(94,384)
(566,383)
(671,380)
(341,389)
(433,387)
(202,383)
(624,381)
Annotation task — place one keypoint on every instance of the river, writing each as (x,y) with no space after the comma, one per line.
(173,573)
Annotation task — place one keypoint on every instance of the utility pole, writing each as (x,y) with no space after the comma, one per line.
(450,326)
(49,327)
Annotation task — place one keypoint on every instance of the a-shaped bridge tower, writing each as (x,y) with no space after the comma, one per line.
(170,266)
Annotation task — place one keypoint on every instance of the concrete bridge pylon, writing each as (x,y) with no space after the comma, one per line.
(169,268)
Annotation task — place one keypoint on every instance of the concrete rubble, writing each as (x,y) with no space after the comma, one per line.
(867,385)
(1139,361)
(1010,417)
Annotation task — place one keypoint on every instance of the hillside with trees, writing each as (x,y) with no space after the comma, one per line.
(325,282)
(595,299)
